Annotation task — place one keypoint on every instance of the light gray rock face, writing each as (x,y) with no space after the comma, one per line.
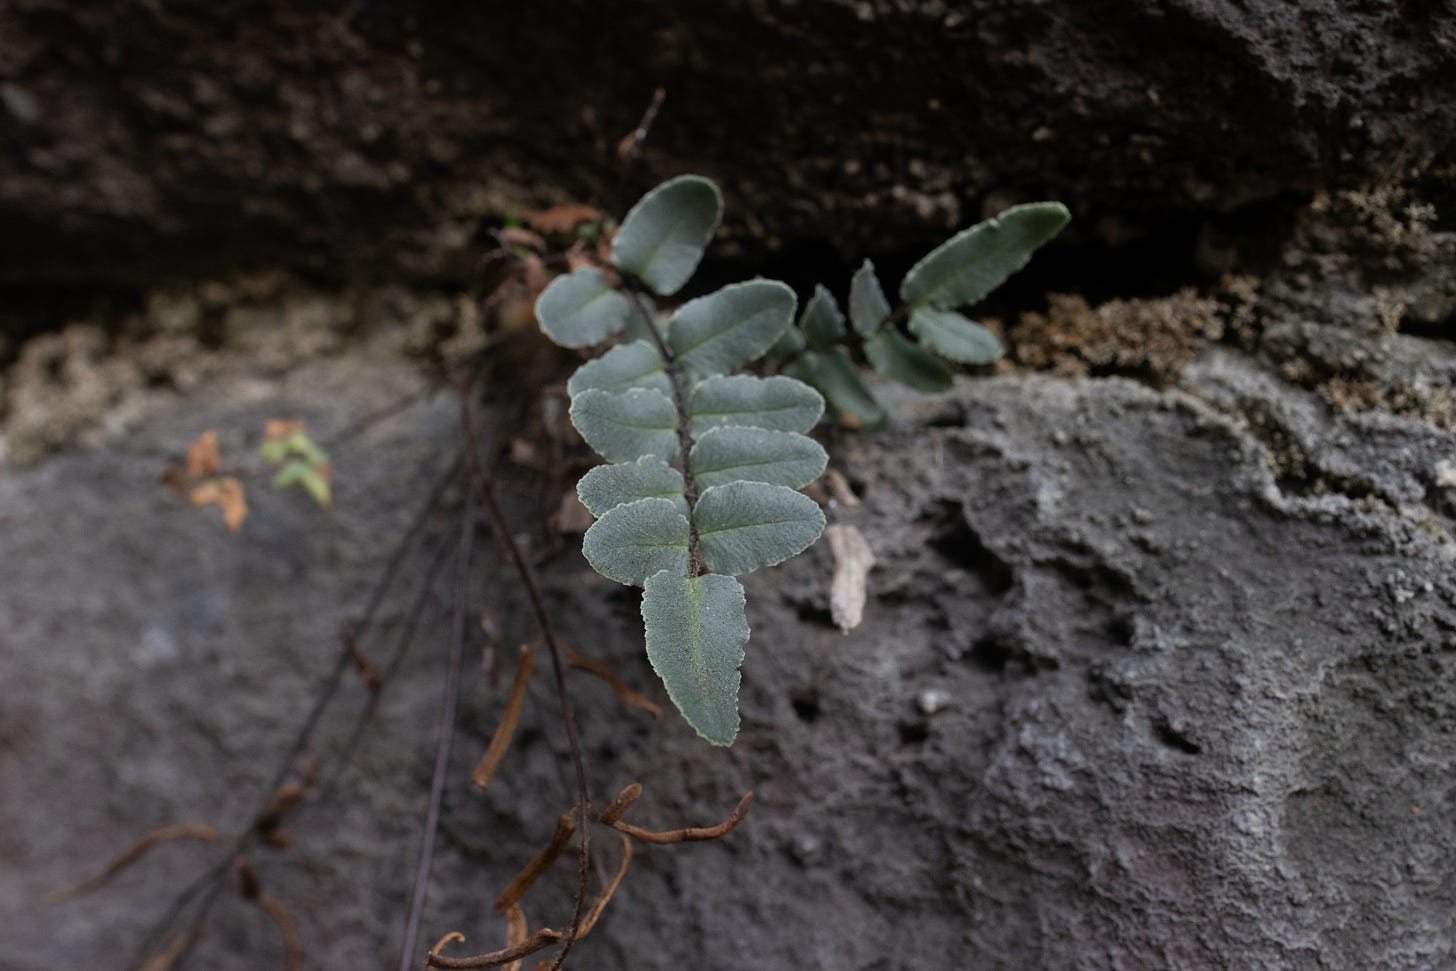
(1197,710)
(138,142)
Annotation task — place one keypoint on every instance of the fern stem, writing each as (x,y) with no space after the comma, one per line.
(672,367)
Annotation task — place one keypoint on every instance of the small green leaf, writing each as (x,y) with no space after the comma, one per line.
(581,308)
(607,486)
(301,445)
(635,365)
(950,335)
(868,308)
(662,239)
(273,451)
(726,455)
(901,359)
(822,322)
(299,472)
(836,377)
(778,403)
(696,629)
(633,541)
(291,474)
(745,525)
(730,327)
(316,484)
(625,425)
(976,261)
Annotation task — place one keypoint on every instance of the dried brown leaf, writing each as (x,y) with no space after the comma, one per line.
(562,219)
(516,236)
(227,494)
(852,562)
(278,429)
(202,458)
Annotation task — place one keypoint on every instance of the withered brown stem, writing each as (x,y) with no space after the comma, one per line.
(691,834)
(500,742)
(566,825)
(618,807)
(501,531)
(139,849)
(605,672)
(540,940)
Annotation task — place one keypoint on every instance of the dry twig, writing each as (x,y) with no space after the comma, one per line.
(167,834)
(531,872)
(252,889)
(627,696)
(540,940)
(691,834)
(506,730)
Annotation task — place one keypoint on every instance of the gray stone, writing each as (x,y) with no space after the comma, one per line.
(1202,707)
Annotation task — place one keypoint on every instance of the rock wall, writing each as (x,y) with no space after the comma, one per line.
(143,142)
(1186,708)
(1156,664)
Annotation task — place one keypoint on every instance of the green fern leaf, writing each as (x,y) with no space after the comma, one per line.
(626,425)
(901,359)
(631,542)
(745,525)
(696,629)
(581,308)
(951,335)
(662,239)
(976,261)
(868,308)
(835,376)
(822,322)
(730,327)
(726,455)
(635,365)
(778,403)
(608,486)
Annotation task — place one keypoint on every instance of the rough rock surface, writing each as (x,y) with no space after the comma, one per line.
(1195,696)
(144,141)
